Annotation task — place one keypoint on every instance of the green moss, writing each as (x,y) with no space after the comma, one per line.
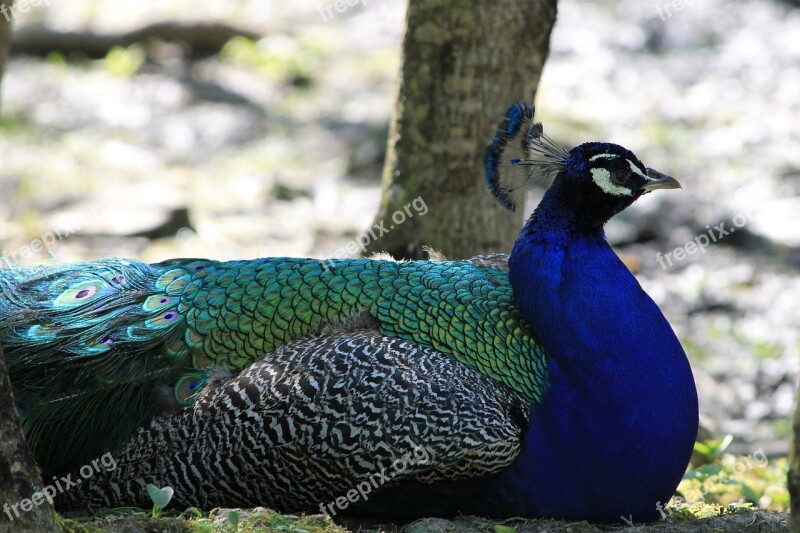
(125,523)
(57,58)
(738,481)
(694,351)
(782,428)
(11,125)
(257,520)
(125,62)
(767,350)
(280,59)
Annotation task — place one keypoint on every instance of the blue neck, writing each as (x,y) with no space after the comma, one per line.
(615,431)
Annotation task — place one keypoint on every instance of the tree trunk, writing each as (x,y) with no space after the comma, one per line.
(464,63)
(794,470)
(23,507)
(5,35)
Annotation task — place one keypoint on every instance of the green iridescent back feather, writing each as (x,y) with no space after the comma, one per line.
(90,345)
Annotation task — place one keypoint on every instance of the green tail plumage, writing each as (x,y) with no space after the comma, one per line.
(94,349)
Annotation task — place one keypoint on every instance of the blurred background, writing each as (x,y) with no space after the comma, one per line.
(272,143)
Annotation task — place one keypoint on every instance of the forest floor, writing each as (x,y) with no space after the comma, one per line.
(261,520)
(274,147)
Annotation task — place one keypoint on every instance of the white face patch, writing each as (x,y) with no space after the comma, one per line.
(637,170)
(602,178)
(602,156)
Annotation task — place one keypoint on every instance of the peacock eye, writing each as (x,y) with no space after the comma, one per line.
(620,177)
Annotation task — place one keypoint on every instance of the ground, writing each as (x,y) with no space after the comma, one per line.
(274,147)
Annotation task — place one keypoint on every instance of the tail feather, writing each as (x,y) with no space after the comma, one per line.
(87,309)
(87,345)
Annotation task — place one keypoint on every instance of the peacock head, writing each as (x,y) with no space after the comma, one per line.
(594,179)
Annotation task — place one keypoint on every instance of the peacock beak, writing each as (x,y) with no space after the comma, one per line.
(658,180)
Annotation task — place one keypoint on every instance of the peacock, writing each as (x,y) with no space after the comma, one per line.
(546,383)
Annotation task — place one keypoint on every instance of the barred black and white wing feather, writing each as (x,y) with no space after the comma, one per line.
(315,418)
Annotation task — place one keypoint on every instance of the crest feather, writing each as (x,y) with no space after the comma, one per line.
(511,170)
